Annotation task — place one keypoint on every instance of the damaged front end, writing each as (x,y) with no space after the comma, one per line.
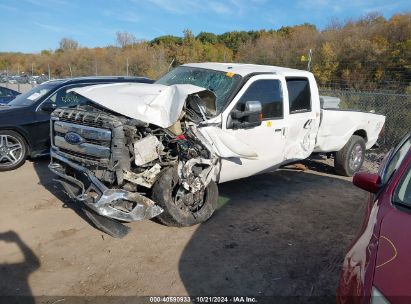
(109,162)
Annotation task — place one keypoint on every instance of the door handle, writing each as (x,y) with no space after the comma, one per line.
(277,130)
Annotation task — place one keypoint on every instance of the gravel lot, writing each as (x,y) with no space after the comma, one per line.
(282,233)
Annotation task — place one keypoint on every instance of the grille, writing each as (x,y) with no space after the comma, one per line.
(91,144)
(81,117)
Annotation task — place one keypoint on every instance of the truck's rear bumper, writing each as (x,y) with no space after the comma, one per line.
(96,196)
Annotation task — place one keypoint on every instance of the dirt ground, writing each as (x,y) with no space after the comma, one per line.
(282,233)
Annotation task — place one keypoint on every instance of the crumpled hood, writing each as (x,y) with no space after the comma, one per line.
(152,103)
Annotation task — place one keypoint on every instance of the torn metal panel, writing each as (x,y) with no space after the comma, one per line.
(145,179)
(111,202)
(226,145)
(152,103)
(197,178)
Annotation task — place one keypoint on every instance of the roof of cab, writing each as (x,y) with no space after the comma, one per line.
(244,69)
(102,79)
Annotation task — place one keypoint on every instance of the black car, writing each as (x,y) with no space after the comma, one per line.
(7,95)
(25,121)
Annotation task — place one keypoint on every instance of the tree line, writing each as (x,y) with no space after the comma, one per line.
(365,54)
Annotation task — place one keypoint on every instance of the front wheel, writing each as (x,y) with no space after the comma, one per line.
(351,157)
(13,150)
(181,207)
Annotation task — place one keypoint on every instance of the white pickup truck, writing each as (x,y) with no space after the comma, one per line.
(136,151)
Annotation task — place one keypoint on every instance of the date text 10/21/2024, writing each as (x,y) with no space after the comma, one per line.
(199,299)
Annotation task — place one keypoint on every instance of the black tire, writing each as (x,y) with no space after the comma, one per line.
(164,194)
(13,138)
(350,158)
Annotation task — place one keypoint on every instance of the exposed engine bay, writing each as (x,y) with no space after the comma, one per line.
(110,161)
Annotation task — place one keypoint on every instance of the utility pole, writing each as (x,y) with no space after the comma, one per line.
(171,64)
(127,65)
(48,66)
(96,65)
(71,73)
(32,70)
(310,55)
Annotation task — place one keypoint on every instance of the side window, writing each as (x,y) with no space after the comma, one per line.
(268,92)
(395,161)
(299,95)
(402,194)
(5,92)
(63,98)
(9,93)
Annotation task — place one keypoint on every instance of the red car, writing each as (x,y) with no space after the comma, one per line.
(377,267)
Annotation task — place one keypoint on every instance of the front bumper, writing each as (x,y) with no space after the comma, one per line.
(96,196)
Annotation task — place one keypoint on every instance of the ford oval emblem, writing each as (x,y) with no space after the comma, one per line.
(73,138)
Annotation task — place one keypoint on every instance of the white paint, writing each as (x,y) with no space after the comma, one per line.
(267,140)
(337,126)
(226,145)
(246,69)
(152,103)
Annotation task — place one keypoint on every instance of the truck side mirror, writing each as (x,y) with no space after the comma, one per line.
(250,117)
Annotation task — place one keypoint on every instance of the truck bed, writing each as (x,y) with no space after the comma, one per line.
(337,126)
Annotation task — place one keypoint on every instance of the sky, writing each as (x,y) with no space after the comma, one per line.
(33,25)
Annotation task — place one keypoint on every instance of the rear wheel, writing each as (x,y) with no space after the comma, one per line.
(181,207)
(351,157)
(13,150)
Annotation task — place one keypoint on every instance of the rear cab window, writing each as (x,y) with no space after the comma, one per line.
(299,94)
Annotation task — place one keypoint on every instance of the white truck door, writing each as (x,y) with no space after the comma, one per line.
(268,139)
(304,117)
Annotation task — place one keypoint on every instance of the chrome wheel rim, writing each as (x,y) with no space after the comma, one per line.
(11,150)
(356,157)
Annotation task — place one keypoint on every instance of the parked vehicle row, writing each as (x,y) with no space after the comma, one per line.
(38,79)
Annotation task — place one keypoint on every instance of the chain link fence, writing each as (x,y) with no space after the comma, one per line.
(396,108)
(19,87)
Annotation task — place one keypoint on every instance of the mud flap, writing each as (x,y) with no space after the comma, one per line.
(109,226)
